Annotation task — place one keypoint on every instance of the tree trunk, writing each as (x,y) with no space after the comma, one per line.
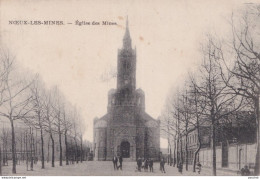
(42,148)
(197,151)
(174,152)
(53,154)
(177,150)
(170,156)
(186,150)
(35,147)
(60,148)
(76,151)
(0,161)
(257,114)
(213,144)
(21,150)
(181,151)
(72,152)
(13,147)
(198,131)
(31,148)
(48,154)
(66,147)
(81,150)
(26,145)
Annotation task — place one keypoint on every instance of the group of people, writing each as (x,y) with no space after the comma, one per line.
(149,163)
(180,167)
(144,164)
(245,171)
(116,160)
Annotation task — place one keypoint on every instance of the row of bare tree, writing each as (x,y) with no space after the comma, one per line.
(227,80)
(24,99)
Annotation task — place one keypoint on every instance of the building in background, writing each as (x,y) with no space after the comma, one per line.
(235,142)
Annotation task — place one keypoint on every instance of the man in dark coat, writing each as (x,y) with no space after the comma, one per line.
(151,165)
(180,167)
(162,163)
(115,162)
(139,164)
(146,165)
(120,162)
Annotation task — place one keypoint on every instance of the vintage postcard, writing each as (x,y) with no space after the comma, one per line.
(132,88)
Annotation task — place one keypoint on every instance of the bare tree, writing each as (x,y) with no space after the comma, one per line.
(4,68)
(49,119)
(171,125)
(15,103)
(58,107)
(184,107)
(217,98)
(76,132)
(31,147)
(5,136)
(81,129)
(245,46)
(167,132)
(196,111)
(37,119)
(66,120)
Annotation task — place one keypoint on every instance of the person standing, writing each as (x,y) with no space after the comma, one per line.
(162,163)
(146,165)
(151,165)
(120,162)
(180,167)
(115,162)
(199,167)
(139,164)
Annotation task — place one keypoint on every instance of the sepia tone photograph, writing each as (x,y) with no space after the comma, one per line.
(129,88)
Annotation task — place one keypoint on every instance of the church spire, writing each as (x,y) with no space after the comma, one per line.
(127,22)
(127,42)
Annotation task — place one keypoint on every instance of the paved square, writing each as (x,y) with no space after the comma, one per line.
(102,168)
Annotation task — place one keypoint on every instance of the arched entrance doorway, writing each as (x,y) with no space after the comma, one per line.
(125,149)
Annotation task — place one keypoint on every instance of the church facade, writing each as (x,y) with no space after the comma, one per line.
(126,130)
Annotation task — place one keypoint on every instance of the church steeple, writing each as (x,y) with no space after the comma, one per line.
(127,42)
(126,65)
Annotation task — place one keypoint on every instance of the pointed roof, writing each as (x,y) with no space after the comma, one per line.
(127,39)
(127,33)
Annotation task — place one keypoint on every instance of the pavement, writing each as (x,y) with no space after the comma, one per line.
(103,168)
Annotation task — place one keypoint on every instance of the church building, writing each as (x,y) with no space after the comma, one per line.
(126,130)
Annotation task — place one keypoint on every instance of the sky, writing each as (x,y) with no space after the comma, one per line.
(80,59)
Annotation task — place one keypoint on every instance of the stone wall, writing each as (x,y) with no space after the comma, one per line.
(239,155)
